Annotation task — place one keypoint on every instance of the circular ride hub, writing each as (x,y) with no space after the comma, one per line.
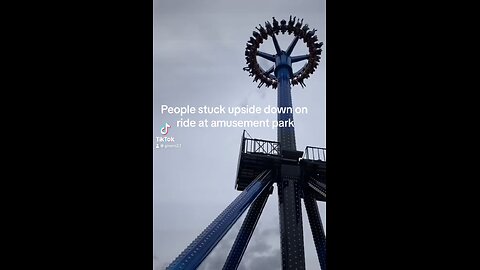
(282,59)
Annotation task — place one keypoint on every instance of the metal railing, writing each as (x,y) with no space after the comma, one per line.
(315,153)
(257,146)
(261,147)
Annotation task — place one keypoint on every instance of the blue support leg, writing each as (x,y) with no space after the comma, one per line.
(246,231)
(317,228)
(199,249)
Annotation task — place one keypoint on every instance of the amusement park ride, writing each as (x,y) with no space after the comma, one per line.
(298,175)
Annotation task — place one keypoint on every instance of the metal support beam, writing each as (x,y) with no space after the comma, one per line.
(270,70)
(196,252)
(317,187)
(316,227)
(285,135)
(291,227)
(300,58)
(317,183)
(292,45)
(246,231)
(267,56)
(289,186)
(275,43)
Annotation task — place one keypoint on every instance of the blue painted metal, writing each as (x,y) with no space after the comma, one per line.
(267,56)
(270,70)
(196,252)
(246,231)
(289,187)
(275,43)
(290,215)
(290,179)
(300,58)
(283,70)
(317,228)
(292,45)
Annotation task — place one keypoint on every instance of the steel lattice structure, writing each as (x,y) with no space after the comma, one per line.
(298,175)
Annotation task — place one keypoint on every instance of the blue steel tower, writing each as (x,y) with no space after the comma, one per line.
(298,175)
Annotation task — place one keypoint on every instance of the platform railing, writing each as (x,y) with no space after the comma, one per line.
(261,147)
(258,146)
(315,153)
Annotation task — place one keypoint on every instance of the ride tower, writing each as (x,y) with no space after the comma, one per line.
(262,163)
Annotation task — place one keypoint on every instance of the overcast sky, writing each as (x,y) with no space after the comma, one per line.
(198,59)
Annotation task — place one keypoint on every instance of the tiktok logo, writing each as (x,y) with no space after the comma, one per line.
(164,142)
(164,129)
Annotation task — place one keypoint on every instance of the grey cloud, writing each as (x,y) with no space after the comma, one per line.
(271,261)
(260,247)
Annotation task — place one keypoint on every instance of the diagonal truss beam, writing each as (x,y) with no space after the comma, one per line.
(275,43)
(317,187)
(317,228)
(292,45)
(270,70)
(198,250)
(246,231)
